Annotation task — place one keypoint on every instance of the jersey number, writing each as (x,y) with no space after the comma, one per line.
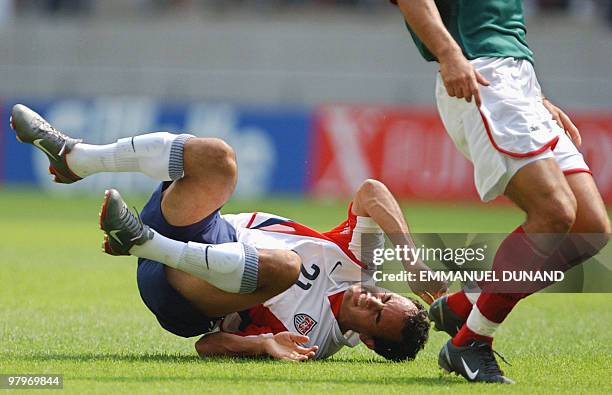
(309,276)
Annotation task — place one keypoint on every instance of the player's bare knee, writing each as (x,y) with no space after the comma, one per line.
(557,214)
(222,156)
(214,154)
(562,219)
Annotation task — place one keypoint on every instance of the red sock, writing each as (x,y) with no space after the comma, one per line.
(515,252)
(466,335)
(496,307)
(497,301)
(459,304)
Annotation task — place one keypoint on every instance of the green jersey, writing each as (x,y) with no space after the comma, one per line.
(484,28)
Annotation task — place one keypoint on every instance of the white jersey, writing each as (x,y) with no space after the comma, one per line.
(310,307)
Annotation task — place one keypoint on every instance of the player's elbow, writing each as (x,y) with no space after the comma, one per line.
(371,191)
(205,347)
(372,187)
(201,348)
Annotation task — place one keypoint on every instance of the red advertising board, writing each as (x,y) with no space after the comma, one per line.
(408,149)
(596,131)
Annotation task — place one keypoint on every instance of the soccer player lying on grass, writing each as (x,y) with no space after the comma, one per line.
(253,284)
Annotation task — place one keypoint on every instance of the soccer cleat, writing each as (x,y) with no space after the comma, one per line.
(33,129)
(475,362)
(443,317)
(123,229)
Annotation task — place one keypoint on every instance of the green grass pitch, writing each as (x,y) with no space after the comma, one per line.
(67,308)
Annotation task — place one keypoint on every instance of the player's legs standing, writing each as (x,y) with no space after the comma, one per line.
(541,191)
(533,178)
(589,234)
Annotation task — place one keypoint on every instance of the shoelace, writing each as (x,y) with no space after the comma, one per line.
(46,126)
(132,222)
(501,357)
(490,364)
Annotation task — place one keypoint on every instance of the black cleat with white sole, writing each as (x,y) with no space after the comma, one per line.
(33,129)
(443,317)
(123,229)
(475,362)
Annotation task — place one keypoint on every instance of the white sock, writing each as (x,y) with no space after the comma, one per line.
(367,237)
(158,155)
(231,267)
(480,324)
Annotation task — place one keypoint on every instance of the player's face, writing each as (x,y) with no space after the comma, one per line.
(379,313)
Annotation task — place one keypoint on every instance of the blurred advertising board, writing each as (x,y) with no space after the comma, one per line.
(408,149)
(271,143)
(327,151)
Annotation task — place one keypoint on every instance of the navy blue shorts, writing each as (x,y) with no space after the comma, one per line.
(175,313)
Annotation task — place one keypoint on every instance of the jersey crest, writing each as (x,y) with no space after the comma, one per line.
(303,323)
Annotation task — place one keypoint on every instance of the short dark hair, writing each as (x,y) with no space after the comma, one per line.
(415,333)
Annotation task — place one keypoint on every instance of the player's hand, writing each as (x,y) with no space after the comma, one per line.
(429,298)
(428,291)
(286,346)
(460,78)
(564,121)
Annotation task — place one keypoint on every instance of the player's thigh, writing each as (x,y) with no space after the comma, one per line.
(210,175)
(185,202)
(465,124)
(210,300)
(511,128)
(542,191)
(591,214)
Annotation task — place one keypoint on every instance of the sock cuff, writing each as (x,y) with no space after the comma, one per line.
(480,324)
(251,269)
(175,164)
(466,336)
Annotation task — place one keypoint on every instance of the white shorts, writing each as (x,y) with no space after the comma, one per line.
(511,129)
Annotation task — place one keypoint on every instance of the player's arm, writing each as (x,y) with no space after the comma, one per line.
(284,346)
(458,75)
(373,199)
